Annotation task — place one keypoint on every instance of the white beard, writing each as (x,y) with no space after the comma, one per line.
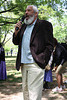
(29,21)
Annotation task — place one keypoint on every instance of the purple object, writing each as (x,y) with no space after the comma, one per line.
(48,76)
(3,74)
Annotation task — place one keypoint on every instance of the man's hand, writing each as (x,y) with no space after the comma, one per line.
(19,27)
(47,67)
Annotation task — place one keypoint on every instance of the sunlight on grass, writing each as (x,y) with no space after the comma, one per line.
(15,76)
(12,74)
(10,63)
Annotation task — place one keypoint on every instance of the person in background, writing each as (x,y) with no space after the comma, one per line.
(3,74)
(35,43)
(64,45)
(59,59)
(11,51)
(48,73)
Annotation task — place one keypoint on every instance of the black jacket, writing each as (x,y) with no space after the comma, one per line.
(41,43)
(60,55)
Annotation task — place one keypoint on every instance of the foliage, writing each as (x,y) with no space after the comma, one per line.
(46,12)
(60,29)
(12,10)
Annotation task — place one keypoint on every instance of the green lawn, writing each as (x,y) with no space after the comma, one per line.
(13,84)
(15,76)
(12,74)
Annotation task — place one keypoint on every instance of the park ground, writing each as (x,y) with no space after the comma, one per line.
(11,88)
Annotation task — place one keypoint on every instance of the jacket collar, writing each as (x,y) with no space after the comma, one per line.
(36,26)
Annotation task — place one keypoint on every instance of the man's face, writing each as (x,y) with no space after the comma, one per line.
(29,12)
(30,15)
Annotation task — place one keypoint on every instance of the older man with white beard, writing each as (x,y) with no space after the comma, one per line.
(35,44)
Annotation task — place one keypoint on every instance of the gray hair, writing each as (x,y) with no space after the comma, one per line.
(34,8)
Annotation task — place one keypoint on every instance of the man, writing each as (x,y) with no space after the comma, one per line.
(35,44)
(59,59)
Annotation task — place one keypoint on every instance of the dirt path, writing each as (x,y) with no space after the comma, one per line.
(12,91)
(46,96)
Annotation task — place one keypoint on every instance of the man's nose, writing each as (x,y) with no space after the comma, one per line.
(26,12)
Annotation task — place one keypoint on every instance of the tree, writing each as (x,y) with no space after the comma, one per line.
(60,29)
(12,10)
(46,12)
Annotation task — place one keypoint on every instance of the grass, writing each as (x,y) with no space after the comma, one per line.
(10,62)
(12,74)
(13,84)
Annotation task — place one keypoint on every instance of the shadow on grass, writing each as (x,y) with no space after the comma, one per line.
(64,95)
(11,78)
(10,56)
(10,62)
(49,95)
(11,85)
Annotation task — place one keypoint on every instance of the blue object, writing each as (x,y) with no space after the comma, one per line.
(48,76)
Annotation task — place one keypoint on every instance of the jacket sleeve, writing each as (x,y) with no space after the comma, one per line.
(48,41)
(16,38)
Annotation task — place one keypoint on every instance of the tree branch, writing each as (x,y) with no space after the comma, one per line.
(7,40)
(4,38)
(7,23)
(7,10)
(2,2)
